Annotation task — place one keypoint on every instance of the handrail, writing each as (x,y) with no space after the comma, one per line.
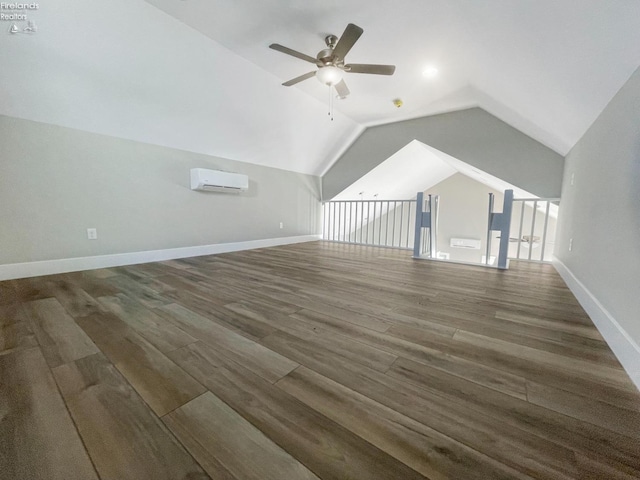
(539,199)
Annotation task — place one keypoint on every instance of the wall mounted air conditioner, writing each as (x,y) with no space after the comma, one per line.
(471,243)
(218,181)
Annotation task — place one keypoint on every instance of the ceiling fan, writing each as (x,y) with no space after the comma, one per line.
(331,61)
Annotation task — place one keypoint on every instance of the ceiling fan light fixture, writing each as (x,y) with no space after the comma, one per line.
(329,75)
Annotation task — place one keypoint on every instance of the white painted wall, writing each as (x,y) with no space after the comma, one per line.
(56,182)
(601,213)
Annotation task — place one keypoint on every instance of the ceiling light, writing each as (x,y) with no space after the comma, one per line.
(430,72)
(329,75)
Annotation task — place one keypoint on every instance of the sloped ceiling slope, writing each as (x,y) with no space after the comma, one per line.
(198,74)
(126,69)
(546,67)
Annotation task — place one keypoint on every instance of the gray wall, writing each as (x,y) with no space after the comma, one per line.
(464,205)
(473,136)
(56,182)
(601,211)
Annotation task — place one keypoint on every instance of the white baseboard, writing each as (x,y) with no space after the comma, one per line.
(50,267)
(625,348)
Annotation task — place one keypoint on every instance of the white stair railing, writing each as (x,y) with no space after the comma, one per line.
(533,229)
(381,223)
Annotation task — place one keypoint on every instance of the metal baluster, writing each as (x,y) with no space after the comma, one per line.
(338,215)
(386,226)
(361,222)
(393,233)
(364,236)
(333,222)
(328,234)
(520,229)
(380,225)
(343,227)
(344,223)
(350,219)
(544,233)
(365,227)
(354,226)
(337,222)
(401,218)
(324,221)
(328,221)
(368,220)
(533,227)
(409,223)
(373,226)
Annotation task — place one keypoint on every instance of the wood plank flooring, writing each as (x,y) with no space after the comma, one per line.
(309,361)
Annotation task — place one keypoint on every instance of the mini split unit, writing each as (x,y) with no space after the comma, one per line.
(217,181)
(465,243)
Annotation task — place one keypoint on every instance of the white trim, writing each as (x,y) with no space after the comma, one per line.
(50,267)
(621,343)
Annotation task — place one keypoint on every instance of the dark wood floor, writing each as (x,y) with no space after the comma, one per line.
(309,361)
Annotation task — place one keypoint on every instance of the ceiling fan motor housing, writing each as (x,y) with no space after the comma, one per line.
(327,58)
(330,62)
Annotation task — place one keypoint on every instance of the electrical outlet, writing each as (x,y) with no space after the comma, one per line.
(92,233)
(570,244)
(281,225)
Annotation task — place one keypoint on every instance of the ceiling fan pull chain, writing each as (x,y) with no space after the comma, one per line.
(333,101)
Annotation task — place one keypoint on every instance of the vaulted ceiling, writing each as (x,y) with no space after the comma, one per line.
(198,74)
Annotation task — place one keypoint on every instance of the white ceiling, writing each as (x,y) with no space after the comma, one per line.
(198,74)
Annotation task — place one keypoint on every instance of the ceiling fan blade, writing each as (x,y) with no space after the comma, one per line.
(349,37)
(293,53)
(299,79)
(342,89)
(370,68)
